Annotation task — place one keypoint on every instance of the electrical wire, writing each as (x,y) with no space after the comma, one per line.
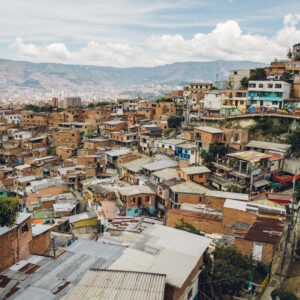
(202,283)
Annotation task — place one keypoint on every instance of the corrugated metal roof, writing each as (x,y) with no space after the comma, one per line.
(209,129)
(189,187)
(269,146)
(164,250)
(228,195)
(39,229)
(195,170)
(49,280)
(160,164)
(135,190)
(136,165)
(235,204)
(118,285)
(82,216)
(166,174)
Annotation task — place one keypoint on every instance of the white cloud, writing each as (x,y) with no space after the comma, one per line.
(104,54)
(226,41)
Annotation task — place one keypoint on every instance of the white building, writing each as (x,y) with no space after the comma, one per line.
(213,99)
(269,94)
(22,135)
(16,118)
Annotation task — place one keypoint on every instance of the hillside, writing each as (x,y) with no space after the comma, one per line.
(19,75)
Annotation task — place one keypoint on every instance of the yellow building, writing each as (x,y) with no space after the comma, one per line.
(83,220)
(236,99)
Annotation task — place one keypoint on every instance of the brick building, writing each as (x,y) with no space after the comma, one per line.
(195,174)
(138,200)
(205,136)
(15,242)
(66,138)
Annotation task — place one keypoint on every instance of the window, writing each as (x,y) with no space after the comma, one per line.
(148,198)
(270,85)
(132,200)
(260,85)
(200,199)
(278,86)
(190,294)
(25,228)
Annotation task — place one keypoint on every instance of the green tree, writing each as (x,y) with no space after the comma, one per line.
(183,225)
(286,76)
(104,103)
(215,150)
(9,211)
(294,140)
(260,74)
(175,121)
(236,189)
(244,82)
(297,190)
(283,295)
(225,272)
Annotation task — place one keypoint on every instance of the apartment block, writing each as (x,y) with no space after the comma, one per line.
(66,138)
(268,94)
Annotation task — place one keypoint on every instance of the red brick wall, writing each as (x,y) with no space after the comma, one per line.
(41,243)
(246,247)
(231,216)
(200,223)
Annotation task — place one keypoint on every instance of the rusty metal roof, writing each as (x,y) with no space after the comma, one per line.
(265,230)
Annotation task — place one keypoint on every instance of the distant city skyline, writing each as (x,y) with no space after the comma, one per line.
(147,33)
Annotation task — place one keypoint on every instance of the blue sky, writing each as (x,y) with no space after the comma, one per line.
(147,33)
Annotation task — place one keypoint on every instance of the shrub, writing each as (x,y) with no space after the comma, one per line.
(283,295)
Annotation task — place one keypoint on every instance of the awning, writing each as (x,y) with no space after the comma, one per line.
(260,183)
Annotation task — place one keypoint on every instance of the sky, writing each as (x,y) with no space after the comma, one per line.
(147,33)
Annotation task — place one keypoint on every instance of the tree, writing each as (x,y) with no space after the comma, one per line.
(244,82)
(215,150)
(175,121)
(187,227)
(283,295)
(297,190)
(294,140)
(236,189)
(286,76)
(225,272)
(260,74)
(289,53)
(9,211)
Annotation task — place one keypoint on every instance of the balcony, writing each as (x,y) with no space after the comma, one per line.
(259,98)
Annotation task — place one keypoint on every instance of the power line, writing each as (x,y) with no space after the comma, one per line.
(202,283)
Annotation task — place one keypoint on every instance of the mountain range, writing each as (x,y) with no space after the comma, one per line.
(20,75)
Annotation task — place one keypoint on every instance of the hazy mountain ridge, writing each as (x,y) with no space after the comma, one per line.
(18,75)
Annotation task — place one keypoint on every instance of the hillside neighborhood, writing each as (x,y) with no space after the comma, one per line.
(194,195)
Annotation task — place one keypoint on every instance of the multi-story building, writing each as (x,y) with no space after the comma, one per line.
(268,94)
(237,100)
(205,136)
(138,199)
(126,105)
(72,101)
(114,125)
(79,126)
(213,101)
(296,52)
(67,138)
(28,118)
(124,138)
(235,77)
(275,70)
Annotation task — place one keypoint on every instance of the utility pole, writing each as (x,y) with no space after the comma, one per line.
(251,178)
